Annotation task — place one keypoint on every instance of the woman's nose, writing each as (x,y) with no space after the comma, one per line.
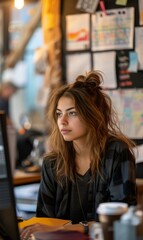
(64,119)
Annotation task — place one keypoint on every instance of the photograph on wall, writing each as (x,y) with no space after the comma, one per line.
(114,30)
(77,64)
(77,32)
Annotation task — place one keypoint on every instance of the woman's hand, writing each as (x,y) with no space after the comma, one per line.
(38,227)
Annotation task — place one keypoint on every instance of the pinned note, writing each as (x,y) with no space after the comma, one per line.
(121,2)
(102,5)
(87,6)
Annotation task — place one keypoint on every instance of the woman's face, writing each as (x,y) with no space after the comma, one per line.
(69,123)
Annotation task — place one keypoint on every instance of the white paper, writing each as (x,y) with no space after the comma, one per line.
(77,64)
(106,63)
(114,30)
(77,32)
(139,46)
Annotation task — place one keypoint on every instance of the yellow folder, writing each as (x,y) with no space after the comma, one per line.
(47,221)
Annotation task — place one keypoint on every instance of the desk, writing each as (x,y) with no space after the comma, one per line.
(21,178)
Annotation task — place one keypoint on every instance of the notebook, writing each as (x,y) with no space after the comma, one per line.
(9,227)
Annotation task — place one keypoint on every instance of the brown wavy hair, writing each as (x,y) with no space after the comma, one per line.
(95,108)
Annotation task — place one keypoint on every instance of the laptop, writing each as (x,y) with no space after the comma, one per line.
(12,145)
(8,218)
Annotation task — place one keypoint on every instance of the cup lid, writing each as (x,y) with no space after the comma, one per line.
(112,208)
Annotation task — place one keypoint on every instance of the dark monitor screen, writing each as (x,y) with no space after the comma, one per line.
(8,219)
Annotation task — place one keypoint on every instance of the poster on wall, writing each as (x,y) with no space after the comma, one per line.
(114,30)
(77,64)
(77,32)
(128,104)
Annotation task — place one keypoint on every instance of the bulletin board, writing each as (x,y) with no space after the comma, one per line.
(91,39)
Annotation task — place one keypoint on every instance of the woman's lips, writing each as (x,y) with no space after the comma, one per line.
(65,131)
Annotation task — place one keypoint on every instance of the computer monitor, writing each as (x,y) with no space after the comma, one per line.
(8,219)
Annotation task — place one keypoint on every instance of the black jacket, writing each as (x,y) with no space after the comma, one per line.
(118,184)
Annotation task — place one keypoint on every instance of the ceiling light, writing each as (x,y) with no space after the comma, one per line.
(19,4)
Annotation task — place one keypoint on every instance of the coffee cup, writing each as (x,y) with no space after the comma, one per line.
(108,213)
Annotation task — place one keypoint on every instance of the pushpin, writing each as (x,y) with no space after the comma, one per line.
(102,6)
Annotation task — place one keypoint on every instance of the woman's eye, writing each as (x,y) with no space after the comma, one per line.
(58,114)
(72,113)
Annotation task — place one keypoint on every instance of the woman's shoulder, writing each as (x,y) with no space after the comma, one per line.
(117,152)
(49,161)
(117,144)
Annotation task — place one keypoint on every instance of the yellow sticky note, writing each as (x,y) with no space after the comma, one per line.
(121,2)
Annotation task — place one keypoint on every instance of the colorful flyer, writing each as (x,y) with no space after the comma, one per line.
(77,32)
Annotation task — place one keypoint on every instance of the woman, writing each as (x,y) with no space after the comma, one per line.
(90,161)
